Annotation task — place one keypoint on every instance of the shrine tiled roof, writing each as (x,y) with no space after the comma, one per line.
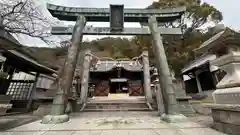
(198,62)
(222,37)
(210,41)
(20,55)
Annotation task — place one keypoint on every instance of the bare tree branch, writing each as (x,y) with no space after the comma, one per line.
(24,17)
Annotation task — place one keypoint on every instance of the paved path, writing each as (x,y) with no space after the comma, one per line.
(7,122)
(113,123)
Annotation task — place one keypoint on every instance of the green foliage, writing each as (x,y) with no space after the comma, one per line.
(179,50)
(197,13)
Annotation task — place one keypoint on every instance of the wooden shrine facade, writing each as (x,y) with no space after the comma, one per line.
(14,58)
(110,77)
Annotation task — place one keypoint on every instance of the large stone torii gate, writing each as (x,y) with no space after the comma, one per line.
(116,15)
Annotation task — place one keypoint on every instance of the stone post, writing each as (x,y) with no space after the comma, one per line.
(147,83)
(85,77)
(74,88)
(65,81)
(171,106)
(79,71)
(160,103)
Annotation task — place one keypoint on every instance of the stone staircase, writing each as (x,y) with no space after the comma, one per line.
(116,104)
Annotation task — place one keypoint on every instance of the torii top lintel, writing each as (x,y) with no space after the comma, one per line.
(103,14)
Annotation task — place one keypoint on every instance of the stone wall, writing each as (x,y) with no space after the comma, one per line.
(226,118)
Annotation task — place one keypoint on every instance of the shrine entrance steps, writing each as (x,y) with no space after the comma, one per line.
(116,104)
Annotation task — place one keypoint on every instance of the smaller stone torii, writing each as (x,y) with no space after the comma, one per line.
(116,15)
(143,61)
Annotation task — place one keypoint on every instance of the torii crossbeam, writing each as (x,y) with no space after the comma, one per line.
(88,30)
(103,14)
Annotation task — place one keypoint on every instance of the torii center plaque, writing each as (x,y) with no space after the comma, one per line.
(116,17)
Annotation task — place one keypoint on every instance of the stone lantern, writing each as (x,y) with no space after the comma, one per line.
(226,106)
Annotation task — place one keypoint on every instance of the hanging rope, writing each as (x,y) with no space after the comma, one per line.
(135,59)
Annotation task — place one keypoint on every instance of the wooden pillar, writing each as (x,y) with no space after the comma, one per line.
(147,83)
(215,78)
(11,73)
(198,82)
(85,77)
(32,92)
(171,106)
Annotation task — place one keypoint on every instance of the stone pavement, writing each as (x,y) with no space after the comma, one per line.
(202,119)
(11,121)
(113,123)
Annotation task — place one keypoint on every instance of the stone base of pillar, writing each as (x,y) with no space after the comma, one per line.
(75,106)
(149,105)
(170,118)
(55,119)
(184,106)
(58,110)
(68,108)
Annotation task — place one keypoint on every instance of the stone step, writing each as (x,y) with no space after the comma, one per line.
(114,102)
(117,102)
(115,110)
(115,106)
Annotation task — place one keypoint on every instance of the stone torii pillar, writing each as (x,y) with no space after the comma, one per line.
(171,106)
(58,114)
(147,82)
(160,102)
(85,77)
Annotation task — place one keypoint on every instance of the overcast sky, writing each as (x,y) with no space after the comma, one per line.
(229,8)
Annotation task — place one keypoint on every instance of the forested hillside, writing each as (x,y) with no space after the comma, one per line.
(177,53)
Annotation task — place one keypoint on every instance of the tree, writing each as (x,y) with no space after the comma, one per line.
(197,13)
(23,17)
(179,49)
